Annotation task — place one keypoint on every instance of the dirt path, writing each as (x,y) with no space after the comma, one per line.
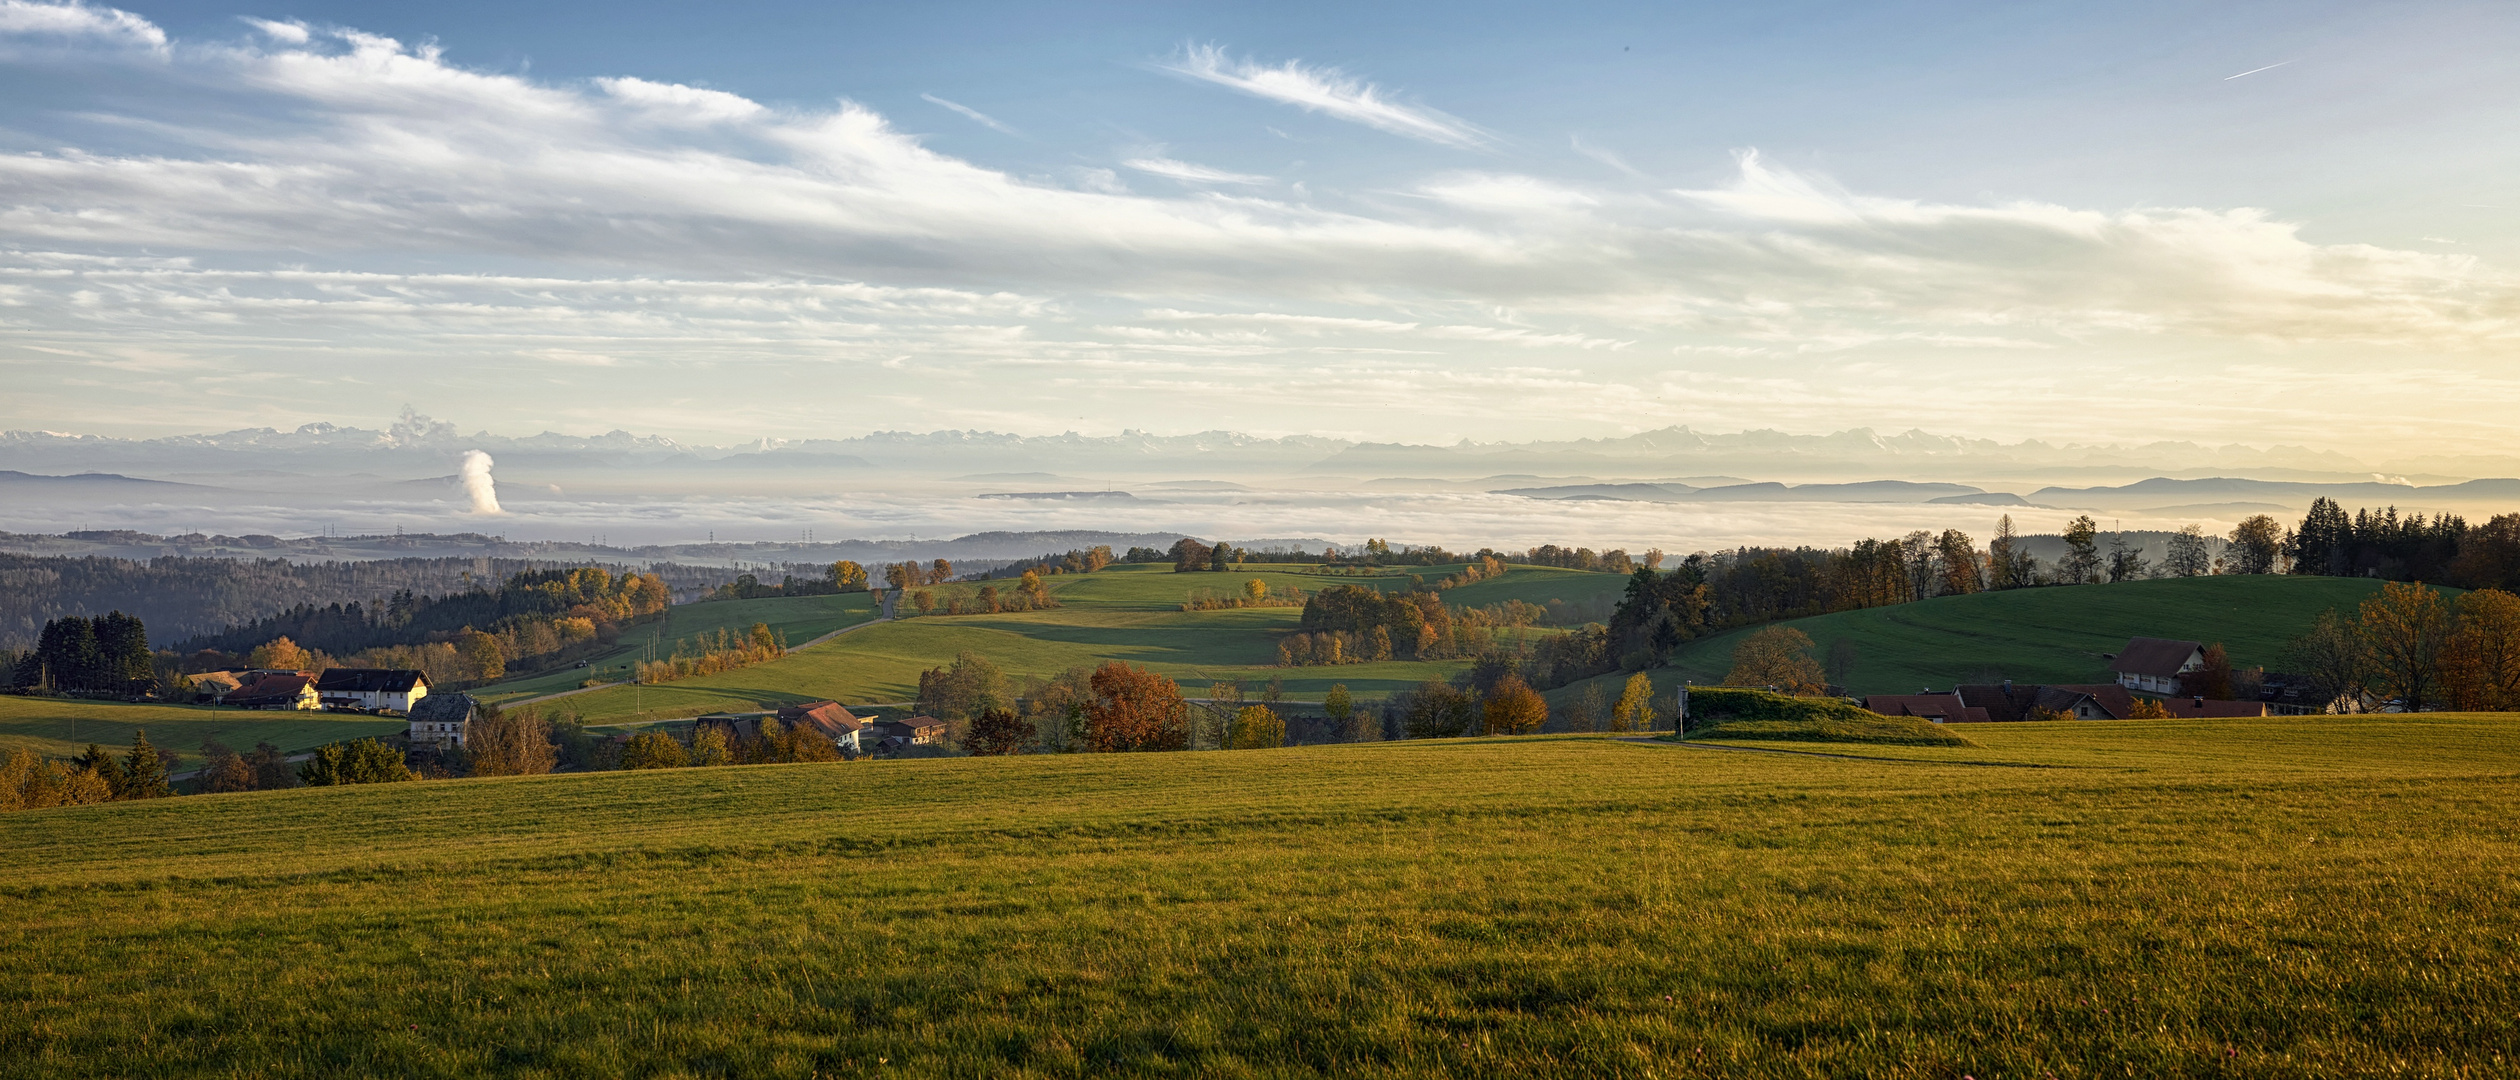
(626,682)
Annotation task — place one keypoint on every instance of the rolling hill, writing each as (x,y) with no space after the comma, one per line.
(2233,898)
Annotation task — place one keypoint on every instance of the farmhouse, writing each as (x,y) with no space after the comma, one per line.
(827,717)
(2153,665)
(914,731)
(215,686)
(1942,708)
(275,690)
(2005,703)
(372,689)
(442,720)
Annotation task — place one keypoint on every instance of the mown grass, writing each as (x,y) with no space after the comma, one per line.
(2250,898)
(1130,613)
(62,727)
(801,618)
(2053,635)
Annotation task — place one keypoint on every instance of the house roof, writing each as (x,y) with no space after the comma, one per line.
(222,680)
(443,707)
(1948,708)
(914,722)
(271,688)
(2199,708)
(2009,702)
(2158,657)
(369,681)
(826,716)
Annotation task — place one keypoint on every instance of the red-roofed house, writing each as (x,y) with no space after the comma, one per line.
(2153,665)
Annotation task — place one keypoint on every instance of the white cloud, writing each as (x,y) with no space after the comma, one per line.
(292,32)
(78,20)
(1329,91)
(974,115)
(1196,174)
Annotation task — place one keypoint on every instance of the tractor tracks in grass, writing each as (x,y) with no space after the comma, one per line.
(1649,741)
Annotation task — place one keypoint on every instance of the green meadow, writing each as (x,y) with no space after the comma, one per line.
(2330,897)
(2054,635)
(1130,613)
(62,727)
(801,618)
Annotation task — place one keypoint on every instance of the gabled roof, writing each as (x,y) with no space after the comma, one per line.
(2112,699)
(271,688)
(2009,702)
(2158,657)
(369,681)
(1948,708)
(914,722)
(443,707)
(825,716)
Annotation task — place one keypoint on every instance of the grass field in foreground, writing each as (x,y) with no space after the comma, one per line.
(2330,897)
(1128,613)
(2051,635)
(61,727)
(801,618)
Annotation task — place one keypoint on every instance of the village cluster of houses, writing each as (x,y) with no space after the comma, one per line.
(445,720)
(2149,669)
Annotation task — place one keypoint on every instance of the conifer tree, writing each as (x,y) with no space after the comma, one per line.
(146,772)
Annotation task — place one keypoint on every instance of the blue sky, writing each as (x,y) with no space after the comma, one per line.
(1422,222)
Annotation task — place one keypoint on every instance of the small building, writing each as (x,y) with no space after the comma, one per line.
(372,689)
(827,717)
(2153,665)
(214,686)
(442,720)
(2286,694)
(912,731)
(275,690)
(1941,708)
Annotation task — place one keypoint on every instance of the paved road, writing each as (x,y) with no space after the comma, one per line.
(625,682)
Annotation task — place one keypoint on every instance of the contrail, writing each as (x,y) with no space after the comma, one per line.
(477,483)
(2253,71)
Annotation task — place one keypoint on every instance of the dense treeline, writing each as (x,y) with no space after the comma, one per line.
(2382,544)
(106,655)
(2410,647)
(185,597)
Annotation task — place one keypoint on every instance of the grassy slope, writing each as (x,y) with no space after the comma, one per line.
(2248,898)
(60,727)
(2038,635)
(801,618)
(1129,613)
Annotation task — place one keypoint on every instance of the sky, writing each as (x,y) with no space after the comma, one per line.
(2252,222)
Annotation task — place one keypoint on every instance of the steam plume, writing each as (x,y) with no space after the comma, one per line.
(477,483)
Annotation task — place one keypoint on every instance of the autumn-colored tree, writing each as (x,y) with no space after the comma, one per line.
(1963,569)
(1778,656)
(653,750)
(1034,591)
(997,731)
(847,576)
(2188,555)
(1256,727)
(1513,707)
(2147,709)
(501,743)
(1189,555)
(1635,708)
(1341,709)
(2212,677)
(959,693)
(902,575)
(483,651)
(940,572)
(1135,709)
(279,654)
(223,769)
(1256,589)
(2480,664)
(28,782)
(709,746)
(2257,543)
(2402,628)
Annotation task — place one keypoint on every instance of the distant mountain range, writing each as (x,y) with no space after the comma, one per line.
(419,443)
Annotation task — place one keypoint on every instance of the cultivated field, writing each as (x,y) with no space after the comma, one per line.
(2330,897)
(1130,613)
(61,727)
(2054,635)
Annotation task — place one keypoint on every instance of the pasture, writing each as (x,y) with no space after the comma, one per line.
(2051,635)
(801,618)
(2320,898)
(1130,613)
(62,727)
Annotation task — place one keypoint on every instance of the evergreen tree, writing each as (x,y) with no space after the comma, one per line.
(101,762)
(146,773)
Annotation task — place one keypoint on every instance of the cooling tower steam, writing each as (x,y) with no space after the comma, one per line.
(477,483)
